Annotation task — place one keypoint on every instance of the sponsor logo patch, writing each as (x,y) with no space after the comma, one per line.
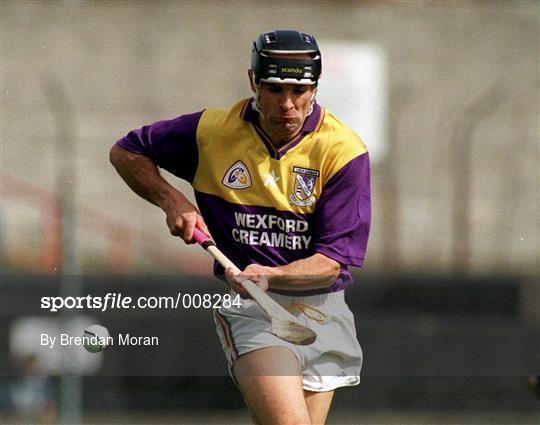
(237,176)
(304,184)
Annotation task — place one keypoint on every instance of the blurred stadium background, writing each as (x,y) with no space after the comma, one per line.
(448,304)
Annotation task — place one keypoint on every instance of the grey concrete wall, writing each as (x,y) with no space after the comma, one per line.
(458,192)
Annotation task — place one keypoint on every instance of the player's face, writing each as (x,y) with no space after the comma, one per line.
(284,107)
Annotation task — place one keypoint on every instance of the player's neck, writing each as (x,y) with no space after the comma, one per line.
(278,143)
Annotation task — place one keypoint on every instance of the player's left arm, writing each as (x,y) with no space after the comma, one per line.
(343,213)
(316,271)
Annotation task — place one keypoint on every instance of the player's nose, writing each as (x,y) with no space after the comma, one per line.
(285,102)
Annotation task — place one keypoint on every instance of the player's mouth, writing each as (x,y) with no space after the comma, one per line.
(283,120)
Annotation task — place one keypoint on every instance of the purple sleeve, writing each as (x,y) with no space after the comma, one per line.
(343,214)
(170,144)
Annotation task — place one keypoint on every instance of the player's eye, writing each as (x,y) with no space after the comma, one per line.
(274,89)
(300,91)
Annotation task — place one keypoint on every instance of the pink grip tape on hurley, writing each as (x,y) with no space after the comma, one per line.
(199,236)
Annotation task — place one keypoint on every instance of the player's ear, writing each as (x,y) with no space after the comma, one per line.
(251,83)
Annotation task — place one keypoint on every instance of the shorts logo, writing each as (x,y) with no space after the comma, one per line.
(237,176)
(304,184)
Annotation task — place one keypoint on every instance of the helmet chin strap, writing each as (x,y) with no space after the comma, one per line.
(255,102)
(312,102)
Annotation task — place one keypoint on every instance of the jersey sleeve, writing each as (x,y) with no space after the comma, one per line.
(343,214)
(170,144)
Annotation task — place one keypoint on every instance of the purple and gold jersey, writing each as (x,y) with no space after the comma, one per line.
(263,205)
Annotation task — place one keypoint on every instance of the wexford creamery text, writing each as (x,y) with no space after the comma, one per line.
(270,230)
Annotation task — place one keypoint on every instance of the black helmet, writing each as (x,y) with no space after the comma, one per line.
(281,69)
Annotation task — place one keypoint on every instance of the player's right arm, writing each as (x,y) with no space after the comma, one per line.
(143,177)
(171,145)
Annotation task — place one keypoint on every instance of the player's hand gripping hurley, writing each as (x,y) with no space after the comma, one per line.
(283,324)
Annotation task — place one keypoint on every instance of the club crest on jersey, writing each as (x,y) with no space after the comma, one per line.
(237,176)
(304,184)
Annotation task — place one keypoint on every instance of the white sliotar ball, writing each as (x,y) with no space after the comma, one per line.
(95,338)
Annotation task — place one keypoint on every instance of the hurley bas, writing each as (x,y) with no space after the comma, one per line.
(122,339)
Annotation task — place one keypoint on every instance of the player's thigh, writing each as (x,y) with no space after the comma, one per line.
(271,381)
(318,404)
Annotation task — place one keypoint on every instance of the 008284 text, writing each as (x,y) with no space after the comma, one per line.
(119,301)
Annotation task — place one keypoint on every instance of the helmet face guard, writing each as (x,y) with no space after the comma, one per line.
(270,63)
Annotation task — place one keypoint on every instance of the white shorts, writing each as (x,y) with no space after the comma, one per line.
(335,358)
